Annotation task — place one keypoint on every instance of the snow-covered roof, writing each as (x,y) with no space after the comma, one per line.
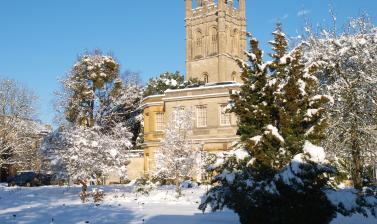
(207,86)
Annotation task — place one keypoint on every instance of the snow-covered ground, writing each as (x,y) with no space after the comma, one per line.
(53,204)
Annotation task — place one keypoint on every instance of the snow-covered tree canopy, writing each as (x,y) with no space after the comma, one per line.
(19,132)
(103,120)
(167,81)
(87,153)
(124,107)
(178,156)
(349,60)
(88,88)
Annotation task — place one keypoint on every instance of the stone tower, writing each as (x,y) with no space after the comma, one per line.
(215,36)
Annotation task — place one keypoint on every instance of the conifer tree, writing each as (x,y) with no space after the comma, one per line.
(280,117)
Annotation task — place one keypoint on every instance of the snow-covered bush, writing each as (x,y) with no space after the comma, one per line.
(89,153)
(85,153)
(143,186)
(292,195)
(98,195)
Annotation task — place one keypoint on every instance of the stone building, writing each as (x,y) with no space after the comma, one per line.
(215,38)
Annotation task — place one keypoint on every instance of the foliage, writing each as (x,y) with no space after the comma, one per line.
(276,174)
(124,107)
(103,120)
(178,156)
(143,186)
(167,80)
(349,75)
(88,153)
(88,88)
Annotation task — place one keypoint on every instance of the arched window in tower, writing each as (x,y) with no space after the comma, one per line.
(198,46)
(234,76)
(213,49)
(205,78)
(235,42)
(199,3)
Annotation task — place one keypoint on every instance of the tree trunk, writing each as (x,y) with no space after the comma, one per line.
(178,186)
(375,174)
(356,161)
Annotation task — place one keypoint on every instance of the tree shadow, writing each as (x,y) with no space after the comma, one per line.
(224,217)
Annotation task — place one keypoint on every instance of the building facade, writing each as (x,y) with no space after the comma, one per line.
(215,39)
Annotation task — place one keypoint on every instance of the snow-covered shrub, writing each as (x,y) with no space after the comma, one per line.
(98,195)
(88,153)
(293,195)
(84,153)
(349,201)
(84,195)
(143,186)
(189,184)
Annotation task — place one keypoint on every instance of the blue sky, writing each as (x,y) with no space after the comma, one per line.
(40,39)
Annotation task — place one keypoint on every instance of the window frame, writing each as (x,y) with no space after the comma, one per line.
(223,116)
(159,121)
(199,123)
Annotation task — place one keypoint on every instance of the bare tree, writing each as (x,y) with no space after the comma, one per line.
(350,77)
(19,132)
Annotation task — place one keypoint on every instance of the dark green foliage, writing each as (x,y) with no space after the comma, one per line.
(95,95)
(89,86)
(278,112)
(167,81)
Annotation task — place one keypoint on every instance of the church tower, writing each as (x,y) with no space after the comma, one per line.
(215,37)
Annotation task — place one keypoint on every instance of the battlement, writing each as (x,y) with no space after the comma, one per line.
(205,7)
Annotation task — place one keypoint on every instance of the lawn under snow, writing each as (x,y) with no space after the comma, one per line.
(54,204)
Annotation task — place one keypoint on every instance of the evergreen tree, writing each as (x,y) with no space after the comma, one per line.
(167,81)
(282,177)
(88,88)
